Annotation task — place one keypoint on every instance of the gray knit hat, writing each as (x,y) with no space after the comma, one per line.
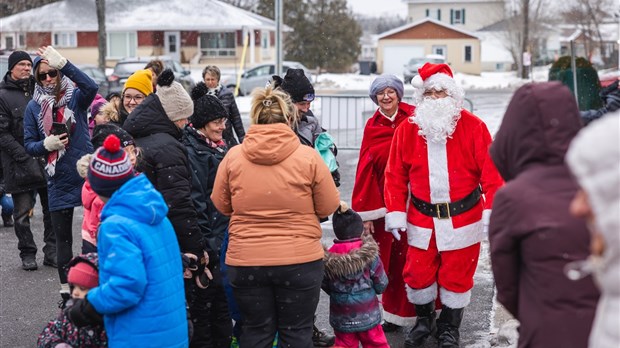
(384,81)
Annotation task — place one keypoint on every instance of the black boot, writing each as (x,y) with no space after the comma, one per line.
(8,220)
(448,327)
(424,325)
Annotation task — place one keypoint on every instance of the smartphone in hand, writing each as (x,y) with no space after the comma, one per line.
(59,128)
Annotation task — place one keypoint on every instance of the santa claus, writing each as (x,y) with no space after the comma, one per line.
(439,188)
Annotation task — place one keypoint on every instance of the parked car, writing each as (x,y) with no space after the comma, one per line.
(127,66)
(98,76)
(411,68)
(260,75)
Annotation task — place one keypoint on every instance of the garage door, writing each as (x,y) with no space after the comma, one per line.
(395,57)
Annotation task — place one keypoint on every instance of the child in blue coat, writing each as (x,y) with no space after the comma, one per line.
(140,292)
(354,275)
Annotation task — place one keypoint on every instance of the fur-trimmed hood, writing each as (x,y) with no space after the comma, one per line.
(354,261)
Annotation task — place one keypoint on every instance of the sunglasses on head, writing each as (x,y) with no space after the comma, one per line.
(51,73)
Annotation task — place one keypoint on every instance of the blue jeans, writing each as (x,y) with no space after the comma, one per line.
(7,204)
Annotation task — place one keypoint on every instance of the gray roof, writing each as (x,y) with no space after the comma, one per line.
(134,15)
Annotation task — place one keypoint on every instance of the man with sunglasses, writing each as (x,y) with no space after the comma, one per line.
(23,174)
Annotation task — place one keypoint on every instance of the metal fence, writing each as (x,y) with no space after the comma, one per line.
(344,116)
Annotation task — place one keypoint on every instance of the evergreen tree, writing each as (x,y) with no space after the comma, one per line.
(325,33)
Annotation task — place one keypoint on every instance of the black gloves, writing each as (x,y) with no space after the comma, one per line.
(82,313)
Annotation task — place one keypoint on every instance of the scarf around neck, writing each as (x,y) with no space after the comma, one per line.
(45,97)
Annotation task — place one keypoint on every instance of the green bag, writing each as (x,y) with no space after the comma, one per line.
(324,144)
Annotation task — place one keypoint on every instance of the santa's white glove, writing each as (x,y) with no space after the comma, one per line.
(54,59)
(53,143)
(396,221)
(396,233)
(83,164)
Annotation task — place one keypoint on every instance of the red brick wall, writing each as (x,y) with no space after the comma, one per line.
(87,39)
(35,40)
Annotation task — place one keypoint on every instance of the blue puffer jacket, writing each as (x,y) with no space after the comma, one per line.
(140,292)
(65,187)
(354,275)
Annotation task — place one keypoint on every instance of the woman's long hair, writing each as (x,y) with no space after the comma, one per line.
(272,106)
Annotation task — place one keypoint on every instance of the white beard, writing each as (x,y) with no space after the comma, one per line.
(437,118)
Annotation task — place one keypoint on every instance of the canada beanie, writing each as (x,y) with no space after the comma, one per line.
(110,167)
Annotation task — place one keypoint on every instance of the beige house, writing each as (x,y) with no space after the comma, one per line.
(428,36)
(464,14)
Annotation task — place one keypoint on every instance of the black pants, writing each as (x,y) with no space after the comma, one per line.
(277,299)
(210,315)
(62,223)
(23,202)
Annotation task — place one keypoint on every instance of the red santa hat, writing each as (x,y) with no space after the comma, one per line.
(438,77)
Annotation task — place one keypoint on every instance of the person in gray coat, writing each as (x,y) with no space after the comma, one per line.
(531,233)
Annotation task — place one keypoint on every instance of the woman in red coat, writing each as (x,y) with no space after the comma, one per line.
(387,92)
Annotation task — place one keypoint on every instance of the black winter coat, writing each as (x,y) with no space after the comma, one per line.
(13,101)
(164,161)
(234,117)
(204,161)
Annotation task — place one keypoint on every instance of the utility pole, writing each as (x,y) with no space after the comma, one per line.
(278,13)
(101,34)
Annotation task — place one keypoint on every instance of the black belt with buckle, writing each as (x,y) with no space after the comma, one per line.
(446,210)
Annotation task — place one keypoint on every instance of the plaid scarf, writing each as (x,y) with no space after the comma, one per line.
(44,96)
(215,91)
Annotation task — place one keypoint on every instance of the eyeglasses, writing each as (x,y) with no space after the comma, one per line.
(438,94)
(390,93)
(136,98)
(52,73)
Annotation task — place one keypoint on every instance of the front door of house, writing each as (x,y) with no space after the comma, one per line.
(172,44)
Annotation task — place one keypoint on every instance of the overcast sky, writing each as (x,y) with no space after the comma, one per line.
(378,7)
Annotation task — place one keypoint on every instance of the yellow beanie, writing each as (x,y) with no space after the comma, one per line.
(142,80)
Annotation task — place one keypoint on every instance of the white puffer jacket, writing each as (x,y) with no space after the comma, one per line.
(594,158)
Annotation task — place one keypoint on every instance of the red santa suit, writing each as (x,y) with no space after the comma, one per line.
(442,252)
(367,201)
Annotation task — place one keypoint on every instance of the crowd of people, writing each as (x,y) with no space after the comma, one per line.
(196,232)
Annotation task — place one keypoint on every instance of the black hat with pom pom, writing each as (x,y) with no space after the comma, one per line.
(109,168)
(207,107)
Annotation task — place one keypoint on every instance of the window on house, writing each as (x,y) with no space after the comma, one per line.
(468,55)
(8,43)
(122,45)
(457,16)
(64,39)
(433,13)
(218,44)
(21,37)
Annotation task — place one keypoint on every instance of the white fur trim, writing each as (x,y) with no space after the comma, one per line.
(397,319)
(372,214)
(419,237)
(486,216)
(417,82)
(447,237)
(455,299)
(422,296)
(395,219)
